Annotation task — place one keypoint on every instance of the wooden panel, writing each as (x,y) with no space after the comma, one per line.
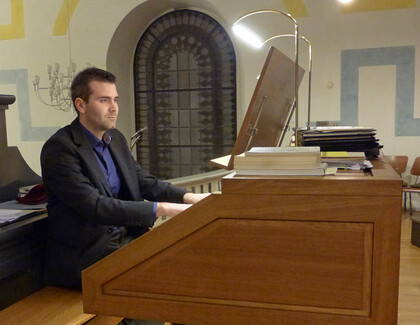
(283,259)
(319,259)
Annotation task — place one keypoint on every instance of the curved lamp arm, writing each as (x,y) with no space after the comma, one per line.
(265,11)
(296,36)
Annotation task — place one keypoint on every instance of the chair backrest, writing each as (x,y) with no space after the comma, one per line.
(415,169)
(399,163)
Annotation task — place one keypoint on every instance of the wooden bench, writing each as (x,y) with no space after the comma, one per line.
(52,306)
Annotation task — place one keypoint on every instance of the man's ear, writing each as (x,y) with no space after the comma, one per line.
(80,105)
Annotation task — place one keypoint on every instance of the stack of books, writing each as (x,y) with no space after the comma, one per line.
(345,159)
(341,138)
(25,190)
(292,161)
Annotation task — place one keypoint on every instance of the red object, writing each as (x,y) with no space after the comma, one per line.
(36,195)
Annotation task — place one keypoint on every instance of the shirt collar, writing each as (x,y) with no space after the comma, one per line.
(93,139)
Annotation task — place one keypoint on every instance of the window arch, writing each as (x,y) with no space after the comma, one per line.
(185,94)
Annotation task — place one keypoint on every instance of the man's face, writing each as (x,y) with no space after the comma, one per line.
(100,113)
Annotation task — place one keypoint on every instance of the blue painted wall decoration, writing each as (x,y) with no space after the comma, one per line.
(403,57)
(19,77)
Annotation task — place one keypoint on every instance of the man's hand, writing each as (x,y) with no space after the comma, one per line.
(194,197)
(170,209)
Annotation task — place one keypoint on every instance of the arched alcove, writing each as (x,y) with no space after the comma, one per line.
(120,55)
(185,94)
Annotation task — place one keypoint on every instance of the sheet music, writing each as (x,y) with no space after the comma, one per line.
(8,215)
(12,210)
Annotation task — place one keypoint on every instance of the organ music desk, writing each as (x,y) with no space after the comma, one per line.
(268,250)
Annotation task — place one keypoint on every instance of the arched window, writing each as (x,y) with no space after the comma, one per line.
(185,88)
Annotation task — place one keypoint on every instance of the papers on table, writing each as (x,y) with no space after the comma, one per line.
(7,215)
(11,211)
(15,205)
(365,165)
(346,160)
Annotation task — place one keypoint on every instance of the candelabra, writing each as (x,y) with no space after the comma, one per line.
(59,87)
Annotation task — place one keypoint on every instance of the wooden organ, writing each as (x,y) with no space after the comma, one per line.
(268,250)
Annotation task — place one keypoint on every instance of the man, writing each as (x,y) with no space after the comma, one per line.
(96,190)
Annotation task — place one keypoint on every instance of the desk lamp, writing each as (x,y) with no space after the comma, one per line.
(254,40)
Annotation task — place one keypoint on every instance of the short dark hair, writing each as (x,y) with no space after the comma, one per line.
(80,84)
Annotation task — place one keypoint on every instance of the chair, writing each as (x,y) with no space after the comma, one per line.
(399,163)
(413,187)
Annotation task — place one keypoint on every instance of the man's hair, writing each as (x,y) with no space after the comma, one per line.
(80,84)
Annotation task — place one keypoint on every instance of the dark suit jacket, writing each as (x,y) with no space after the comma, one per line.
(82,215)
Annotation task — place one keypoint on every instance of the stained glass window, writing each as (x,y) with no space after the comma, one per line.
(185,88)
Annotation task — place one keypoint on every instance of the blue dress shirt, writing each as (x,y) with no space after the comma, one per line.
(101,149)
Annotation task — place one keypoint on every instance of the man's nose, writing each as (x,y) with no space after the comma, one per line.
(114,105)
